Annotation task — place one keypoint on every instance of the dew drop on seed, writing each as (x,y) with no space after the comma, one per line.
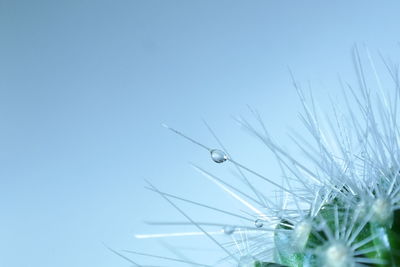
(228,230)
(218,156)
(246,261)
(258,223)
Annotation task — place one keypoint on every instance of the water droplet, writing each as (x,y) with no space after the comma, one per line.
(246,261)
(218,156)
(228,229)
(259,223)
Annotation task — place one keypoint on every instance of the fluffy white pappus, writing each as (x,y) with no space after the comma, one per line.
(347,180)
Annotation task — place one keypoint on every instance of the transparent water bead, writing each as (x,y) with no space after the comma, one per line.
(246,261)
(228,229)
(218,156)
(259,223)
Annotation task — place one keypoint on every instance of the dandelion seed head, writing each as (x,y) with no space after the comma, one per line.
(335,207)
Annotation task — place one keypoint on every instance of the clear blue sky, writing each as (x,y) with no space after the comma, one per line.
(84,86)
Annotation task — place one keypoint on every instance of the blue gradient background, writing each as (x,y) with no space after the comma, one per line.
(84,86)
